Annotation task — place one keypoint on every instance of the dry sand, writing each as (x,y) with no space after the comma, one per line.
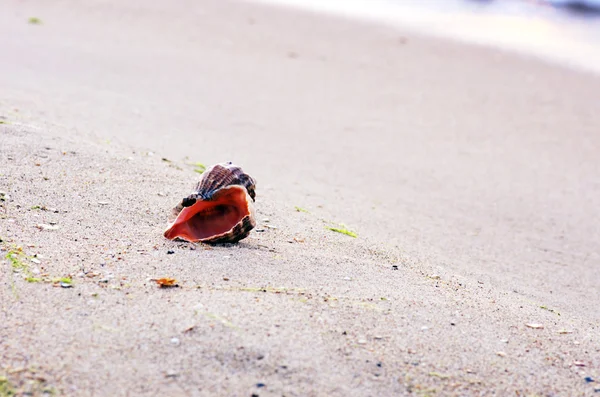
(470,175)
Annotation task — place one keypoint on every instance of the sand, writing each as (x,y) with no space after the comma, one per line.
(469,174)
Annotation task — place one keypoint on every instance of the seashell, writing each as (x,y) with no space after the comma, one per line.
(220,210)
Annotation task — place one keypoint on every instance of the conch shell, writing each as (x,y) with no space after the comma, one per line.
(220,210)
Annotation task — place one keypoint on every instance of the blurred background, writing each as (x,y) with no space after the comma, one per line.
(567,31)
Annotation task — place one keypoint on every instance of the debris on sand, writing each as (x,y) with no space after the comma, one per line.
(342,231)
(550,310)
(198,167)
(166,282)
(439,375)
(44,226)
(65,282)
(535,325)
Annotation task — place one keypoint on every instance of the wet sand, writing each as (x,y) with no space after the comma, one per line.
(469,174)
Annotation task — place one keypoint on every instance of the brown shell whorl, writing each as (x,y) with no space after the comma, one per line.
(221,175)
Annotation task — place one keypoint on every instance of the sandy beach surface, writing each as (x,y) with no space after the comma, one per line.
(470,175)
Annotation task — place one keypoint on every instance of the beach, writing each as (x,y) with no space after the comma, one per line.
(468,173)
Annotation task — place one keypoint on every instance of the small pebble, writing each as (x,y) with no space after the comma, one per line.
(103,202)
(66,285)
(175,341)
(259,230)
(535,325)
(170,252)
(43,226)
(589,379)
(35,260)
(259,385)
(171,374)
(501,354)
(362,342)
(394,267)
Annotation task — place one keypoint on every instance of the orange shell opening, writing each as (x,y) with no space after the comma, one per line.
(206,220)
